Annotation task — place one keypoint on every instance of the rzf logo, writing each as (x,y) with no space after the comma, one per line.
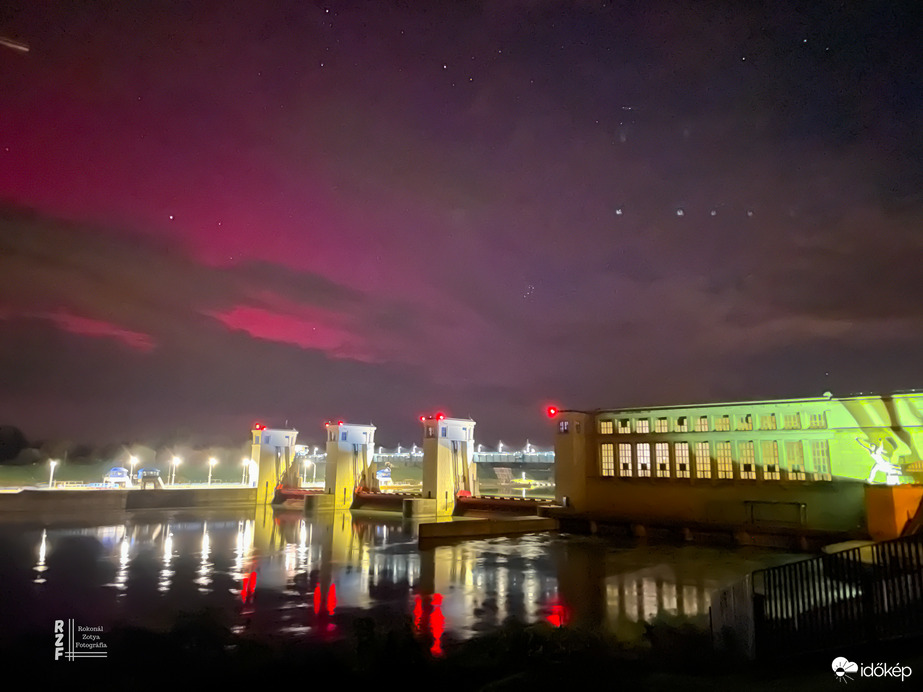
(58,639)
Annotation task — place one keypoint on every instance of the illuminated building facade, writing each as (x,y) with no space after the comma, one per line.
(798,463)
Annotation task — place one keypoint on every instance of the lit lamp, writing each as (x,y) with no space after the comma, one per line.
(500,448)
(243,477)
(132,460)
(176,462)
(52,463)
(211,465)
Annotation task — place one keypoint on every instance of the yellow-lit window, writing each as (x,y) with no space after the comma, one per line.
(682,424)
(662,459)
(702,460)
(643,425)
(624,426)
(723,423)
(818,420)
(625,460)
(644,460)
(745,422)
(770,451)
(681,450)
(794,460)
(607,459)
(661,425)
(747,461)
(768,421)
(793,421)
(701,424)
(724,462)
(605,427)
(820,455)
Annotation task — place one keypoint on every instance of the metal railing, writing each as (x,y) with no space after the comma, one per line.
(865,594)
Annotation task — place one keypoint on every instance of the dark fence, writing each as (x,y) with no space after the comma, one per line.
(865,594)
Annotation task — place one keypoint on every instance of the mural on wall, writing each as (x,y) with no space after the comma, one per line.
(890,426)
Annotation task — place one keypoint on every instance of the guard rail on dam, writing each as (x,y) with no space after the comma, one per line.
(83,500)
(872,593)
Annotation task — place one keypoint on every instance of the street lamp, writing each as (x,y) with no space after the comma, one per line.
(53,463)
(176,462)
(211,465)
(132,460)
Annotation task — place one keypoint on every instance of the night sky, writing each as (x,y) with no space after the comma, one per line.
(213,213)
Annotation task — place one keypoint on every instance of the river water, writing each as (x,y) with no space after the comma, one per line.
(272,573)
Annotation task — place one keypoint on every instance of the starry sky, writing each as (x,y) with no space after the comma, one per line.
(214,213)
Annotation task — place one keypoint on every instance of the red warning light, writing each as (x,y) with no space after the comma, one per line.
(440,416)
(259,426)
(422,418)
(339,422)
(552,411)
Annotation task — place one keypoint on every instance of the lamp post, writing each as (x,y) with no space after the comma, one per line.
(52,463)
(500,448)
(132,460)
(211,465)
(243,476)
(176,462)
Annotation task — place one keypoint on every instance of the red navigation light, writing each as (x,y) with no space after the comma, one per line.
(440,416)
(259,426)
(339,422)
(422,418)
(552,411)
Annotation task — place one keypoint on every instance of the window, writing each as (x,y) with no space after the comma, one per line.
(817,420)
(563,427)
(625,460)
(723,424)
(768,421)
(702,460)
(661,426)
(745,422)
(725,463)
(820,455)
(701,424)
(662,458)
(793,421)
(681,450)
(770,450)
(644,460)
(605,427)
(430,431)
(607,459)
(682,424)
(256,439)
(747,461)
(624,426)
(343,436)
(642,425)
(444,431)
(794,459)
(266,439)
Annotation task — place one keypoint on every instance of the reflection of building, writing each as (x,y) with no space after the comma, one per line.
(786,463)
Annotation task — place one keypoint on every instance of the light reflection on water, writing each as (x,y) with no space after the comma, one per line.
(314,576)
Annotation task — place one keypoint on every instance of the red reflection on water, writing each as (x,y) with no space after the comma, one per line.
(417,612)
(317,600)
(332,599)
(428,620)
(558,613)
(248,587)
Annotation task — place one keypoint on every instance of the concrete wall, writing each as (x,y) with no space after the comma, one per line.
(835,507)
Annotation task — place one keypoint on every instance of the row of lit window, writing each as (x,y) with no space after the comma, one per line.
(707,460)
(790,421)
